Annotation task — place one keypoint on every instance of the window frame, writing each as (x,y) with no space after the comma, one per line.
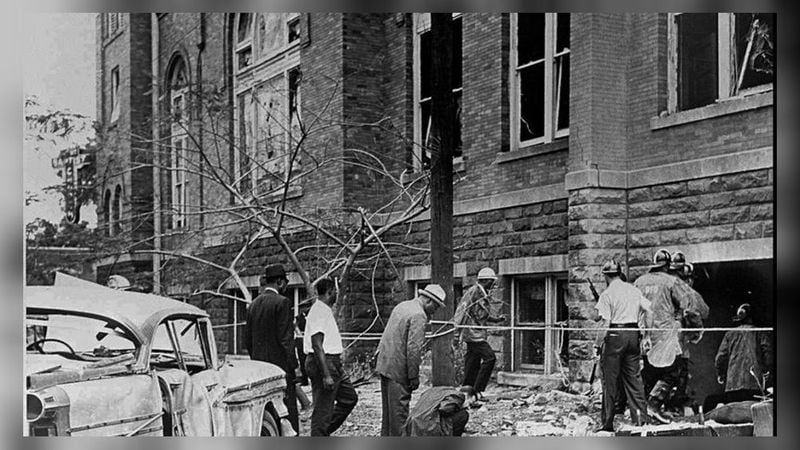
(551,281)
(115,97)
(112,24)
(726,64)
(253,40)
(206,339)
(281,62)
(179,143)
(418,28)
(551,131)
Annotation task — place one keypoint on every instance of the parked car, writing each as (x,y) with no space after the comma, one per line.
(106,362)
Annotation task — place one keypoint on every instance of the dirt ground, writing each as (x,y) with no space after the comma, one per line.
(507,411)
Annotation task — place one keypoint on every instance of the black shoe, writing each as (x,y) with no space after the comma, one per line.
(603,429)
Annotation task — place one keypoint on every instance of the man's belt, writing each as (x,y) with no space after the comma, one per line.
(624,325)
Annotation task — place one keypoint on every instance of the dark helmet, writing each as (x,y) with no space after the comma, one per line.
(688,270)
(678,261)
(661,258)
(611,267)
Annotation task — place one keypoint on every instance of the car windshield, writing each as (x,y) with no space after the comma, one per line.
(77,336)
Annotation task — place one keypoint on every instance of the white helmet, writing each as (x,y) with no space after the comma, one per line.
(118,282)
(487,274)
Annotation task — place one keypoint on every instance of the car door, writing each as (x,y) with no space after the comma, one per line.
(183,356)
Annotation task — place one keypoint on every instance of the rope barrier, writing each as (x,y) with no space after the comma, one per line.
(356,336)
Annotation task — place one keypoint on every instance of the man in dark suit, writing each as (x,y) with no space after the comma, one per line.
(269,332)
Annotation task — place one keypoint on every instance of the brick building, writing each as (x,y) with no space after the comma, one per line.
(583,137)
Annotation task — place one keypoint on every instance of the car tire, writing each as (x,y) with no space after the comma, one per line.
(269,426)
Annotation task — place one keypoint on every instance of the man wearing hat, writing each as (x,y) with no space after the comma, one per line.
(269,332)
(479,359)
(400,354)
(661,363)
(619,308)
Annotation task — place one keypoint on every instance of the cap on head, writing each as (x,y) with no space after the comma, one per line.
(434,292)
(611,267)
(661,258)
(487,274)
(274,271)
(118,282)
(677,261)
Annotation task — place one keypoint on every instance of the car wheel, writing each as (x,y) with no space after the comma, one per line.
(269,427)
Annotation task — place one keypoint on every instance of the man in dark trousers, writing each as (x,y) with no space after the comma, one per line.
(400,354)
(334,394)
(269,332)
(479,359)
(619,308)
(694,314)
(662,362)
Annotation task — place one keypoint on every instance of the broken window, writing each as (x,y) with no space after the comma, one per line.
(267,102)
(755,54)
(425,132)
(540,56)
(538,302)
(269,129)
(717,56)
(114,94)
(270,33)
(271,149)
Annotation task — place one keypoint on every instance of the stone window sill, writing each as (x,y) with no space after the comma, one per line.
(721,108)
(534,150)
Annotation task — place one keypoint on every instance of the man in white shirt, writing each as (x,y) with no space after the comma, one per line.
(619,308)
(334,394)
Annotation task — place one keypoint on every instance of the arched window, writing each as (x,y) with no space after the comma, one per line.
(267,98)
(117,210)
(107,212)
(178,157)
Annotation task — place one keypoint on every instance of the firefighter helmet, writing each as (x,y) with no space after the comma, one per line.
(487,274)
(611,267)
(678,261)
(661,258)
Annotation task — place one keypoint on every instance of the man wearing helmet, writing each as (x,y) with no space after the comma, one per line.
(743,361)
(693,315)
(662,367)
(479,359)
(399,355)
(620,307)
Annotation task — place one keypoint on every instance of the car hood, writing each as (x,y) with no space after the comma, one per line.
(49,370)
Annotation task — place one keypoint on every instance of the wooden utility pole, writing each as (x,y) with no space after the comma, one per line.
(443,116)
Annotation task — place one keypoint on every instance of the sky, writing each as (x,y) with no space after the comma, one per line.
(59,68)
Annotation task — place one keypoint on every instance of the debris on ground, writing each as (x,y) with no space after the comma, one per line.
(510,411)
